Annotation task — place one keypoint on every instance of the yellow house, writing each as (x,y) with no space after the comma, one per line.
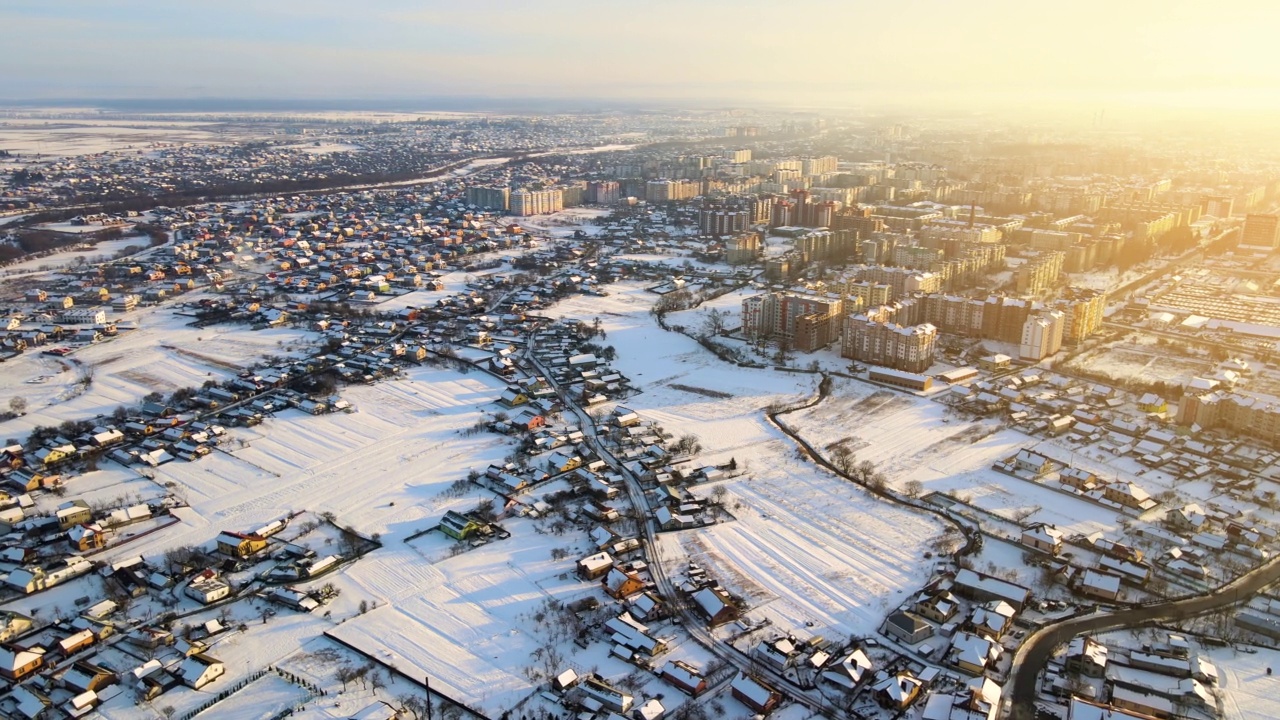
(240,545)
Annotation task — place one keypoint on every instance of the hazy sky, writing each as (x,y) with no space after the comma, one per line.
(798,52)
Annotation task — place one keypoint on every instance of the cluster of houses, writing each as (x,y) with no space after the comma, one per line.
(966,621)
(1163,679)
(1123,495)
(52,667)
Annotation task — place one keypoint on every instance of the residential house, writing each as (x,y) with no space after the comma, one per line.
(17,662)
(980,587)
(458,526)
(1086,656)
(972,654)
(907,627)
(715,605)
(199,670)
(1032,463)
(850,671)
(758,697)
(86,536)
(939,607)
(206,587)
(72,513)
(240,545)
(607,696)
(684,676)
(898,691)
(1043,537)
(619,583)
(595,566)
(1096,584)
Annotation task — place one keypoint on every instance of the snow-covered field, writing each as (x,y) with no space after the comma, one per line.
(162,355)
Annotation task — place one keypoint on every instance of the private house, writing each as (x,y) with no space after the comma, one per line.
(619,584)
(86,536)
(897,692)
(779,654)
(1043,537)
(758,697)
(1081,480)
(972,654)
(72,513)
(240,545)
(1100,585)
(939,607)
(207,588)
(607,696)
(979,699)
(1152,403)
(16,662)
(684,676)
(991,620)
(49,457)
(84,676)
(980,587)
(715,605)
(12,625)
(1032,463)
(907,627)
(199,670)
(511,397)
(595,566)
(850,671)
(458,526)
(75,642)
(1087,657)
(1126,494)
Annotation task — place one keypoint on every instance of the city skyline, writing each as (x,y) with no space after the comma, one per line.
(1164,56)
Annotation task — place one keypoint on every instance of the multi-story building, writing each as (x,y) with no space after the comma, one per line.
(723,220)
(1083,311)
(604,192)
(870,294)
(740,155)
(1254,415)
(1219,206)
(1041,335)
(742,249)
(671,190)
(803,322)
(1039,273)
(490,198)
(574,194)
(907,348)
(1261,231)
(536,202)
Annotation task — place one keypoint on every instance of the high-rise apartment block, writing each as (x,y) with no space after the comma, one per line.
(1261,231)
(1041,335)
(604,192)
(868,340)
(489,198)
(1039,273)
(742,249)
(536,202)
(803,322)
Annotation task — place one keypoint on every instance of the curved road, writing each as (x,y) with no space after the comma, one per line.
(1034,654)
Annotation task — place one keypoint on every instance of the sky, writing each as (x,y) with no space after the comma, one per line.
(975,54)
